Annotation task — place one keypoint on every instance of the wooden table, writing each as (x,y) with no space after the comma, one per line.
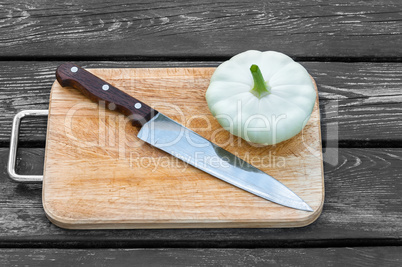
(353,50)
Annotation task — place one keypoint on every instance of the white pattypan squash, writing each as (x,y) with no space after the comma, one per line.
(262,97)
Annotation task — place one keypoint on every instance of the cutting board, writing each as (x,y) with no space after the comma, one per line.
(98,174)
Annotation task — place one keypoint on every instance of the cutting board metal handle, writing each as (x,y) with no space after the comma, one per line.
(21,178)
(93,87)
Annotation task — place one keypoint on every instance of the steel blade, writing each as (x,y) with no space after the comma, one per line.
(179,141)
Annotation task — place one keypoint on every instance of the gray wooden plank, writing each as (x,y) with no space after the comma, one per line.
(138,29)
(361,256)
(359,102)
(362,207)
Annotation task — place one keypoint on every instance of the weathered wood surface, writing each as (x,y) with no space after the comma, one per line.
(359,102)
(362,207)
(194,29)
(363,256)
(360,107)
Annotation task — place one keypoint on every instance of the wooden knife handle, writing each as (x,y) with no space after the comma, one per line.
(96,89)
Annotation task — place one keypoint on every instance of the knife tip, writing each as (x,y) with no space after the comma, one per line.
(306,207)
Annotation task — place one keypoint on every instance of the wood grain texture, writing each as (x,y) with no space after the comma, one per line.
(362,207)
(360,107)
(360,102)
(152,29)
(364,256)
(98,174)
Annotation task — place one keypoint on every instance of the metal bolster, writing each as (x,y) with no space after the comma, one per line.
(13,147)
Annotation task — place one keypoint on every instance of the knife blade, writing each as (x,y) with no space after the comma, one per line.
(164,133)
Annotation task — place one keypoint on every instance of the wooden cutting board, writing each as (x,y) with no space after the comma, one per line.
(98,174)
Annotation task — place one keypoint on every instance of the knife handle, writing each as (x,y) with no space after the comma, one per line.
(96,89)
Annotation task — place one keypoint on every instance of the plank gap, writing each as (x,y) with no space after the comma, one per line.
(192,58)
(238,244)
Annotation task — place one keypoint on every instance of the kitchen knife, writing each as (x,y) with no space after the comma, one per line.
(179,141)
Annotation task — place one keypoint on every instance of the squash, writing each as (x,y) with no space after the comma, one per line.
(262,97)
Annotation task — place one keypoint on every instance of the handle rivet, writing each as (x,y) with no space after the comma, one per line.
(112,106)
(105,87)
(74,69)
(137,105)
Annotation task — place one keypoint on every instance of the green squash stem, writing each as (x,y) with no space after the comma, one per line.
(260,88)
